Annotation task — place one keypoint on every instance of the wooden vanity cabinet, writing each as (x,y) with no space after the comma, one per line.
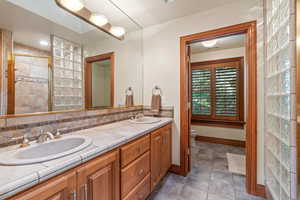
(161,144)
(129,172)
(99,179)
(62,187)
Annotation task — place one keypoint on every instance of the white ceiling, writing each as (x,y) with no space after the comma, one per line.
(151,12)
(229,42)
(35,20)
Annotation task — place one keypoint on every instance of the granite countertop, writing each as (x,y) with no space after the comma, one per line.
(14,179)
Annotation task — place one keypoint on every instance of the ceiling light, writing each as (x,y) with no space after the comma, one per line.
(169,1)
(209,43)
(117,31)
(73,5)
(44,43)
(99,20)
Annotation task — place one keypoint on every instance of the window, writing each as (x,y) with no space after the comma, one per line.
(217,92)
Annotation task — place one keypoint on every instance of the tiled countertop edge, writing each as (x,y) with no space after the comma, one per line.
(49,172)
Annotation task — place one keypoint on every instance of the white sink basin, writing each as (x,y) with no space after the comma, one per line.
(46,151)
(145,120)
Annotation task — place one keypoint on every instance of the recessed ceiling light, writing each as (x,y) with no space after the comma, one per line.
(99,20)
(117,31)
(169,1)
(209,43)
(44,43)
(73,5)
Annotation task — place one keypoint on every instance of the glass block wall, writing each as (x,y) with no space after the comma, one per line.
(280,156)
(67,75)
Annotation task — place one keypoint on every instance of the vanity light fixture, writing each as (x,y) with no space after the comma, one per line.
(44,43)
(77,8)
(117,31)
(73,5)
(209,43)
(99,20)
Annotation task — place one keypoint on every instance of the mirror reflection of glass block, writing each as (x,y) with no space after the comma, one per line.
(58,53)
(78,67)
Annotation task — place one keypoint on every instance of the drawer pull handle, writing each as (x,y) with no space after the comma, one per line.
(141,172)
(85,192)
(74,195)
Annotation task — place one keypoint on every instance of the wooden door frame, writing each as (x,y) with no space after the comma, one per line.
(249,29)
(88,77)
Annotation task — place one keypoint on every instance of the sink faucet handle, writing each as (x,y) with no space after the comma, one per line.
(25,141)
(57,134)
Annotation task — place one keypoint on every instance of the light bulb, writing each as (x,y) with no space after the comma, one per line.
(44,43)
(99,20)
(209,43)
(117,31)
(73,5)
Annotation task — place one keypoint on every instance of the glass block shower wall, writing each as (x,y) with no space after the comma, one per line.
(280,156)
(67,75)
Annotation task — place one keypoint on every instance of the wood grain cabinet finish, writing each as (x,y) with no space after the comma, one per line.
(134,173)
(132,151)
(156,157)
(62,187)
(141,191)
(99,178)
(161,144)
(166,149)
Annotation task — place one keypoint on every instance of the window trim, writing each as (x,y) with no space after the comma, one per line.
(222,121)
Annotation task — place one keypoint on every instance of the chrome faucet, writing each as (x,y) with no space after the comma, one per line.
(138,116)
(44,136)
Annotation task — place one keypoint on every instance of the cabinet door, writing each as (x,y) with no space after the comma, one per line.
(62,187)
(99,178)
(156,149)
(166,149)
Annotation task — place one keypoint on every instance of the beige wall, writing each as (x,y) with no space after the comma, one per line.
(218,132)
(128,64)
(218,54)
(161,59)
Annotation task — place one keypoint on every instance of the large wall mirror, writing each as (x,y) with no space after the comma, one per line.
(52,60)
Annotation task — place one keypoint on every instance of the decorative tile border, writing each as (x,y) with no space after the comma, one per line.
(165,111)
(13,129)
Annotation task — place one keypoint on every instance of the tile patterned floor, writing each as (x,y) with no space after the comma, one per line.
(209,178)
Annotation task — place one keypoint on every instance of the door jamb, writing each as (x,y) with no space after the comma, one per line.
(248,28)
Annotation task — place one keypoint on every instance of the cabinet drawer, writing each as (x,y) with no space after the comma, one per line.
(133,150)
(134,173)
(141,191)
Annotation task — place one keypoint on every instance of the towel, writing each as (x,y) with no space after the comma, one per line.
(155,104)
(129,100)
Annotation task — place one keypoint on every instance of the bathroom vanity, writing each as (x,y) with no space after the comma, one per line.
(125,161)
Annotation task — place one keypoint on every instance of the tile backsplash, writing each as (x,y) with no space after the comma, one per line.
(13,129)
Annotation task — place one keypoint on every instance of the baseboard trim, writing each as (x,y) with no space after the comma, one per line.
(260,190)
(176,169)
(237,143)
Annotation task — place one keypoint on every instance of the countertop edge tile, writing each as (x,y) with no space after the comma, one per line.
(21,184)
(51,171)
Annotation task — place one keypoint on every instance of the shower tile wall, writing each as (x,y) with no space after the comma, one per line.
(280,137)
(32,80)
(67,76)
